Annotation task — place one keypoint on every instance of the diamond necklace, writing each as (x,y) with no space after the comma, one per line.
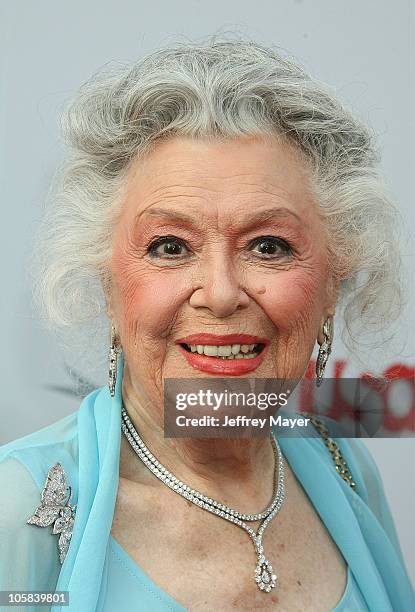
(264,576)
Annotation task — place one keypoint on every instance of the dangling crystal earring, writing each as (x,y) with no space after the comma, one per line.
(113,356)
(325,349)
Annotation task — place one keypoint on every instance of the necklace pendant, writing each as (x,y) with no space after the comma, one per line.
(264,576)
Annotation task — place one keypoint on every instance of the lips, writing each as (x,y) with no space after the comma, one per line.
(213,339)
(216,365)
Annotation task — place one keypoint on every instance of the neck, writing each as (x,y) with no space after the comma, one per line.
(238,472)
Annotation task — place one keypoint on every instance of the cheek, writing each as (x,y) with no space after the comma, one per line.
(293,301)
(145,300)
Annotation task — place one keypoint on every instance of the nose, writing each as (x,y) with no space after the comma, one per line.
(220,289)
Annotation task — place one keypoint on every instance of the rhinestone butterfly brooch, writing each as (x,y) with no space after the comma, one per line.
(55,508)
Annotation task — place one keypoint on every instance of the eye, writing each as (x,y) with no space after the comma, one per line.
(271,247)
(166,246)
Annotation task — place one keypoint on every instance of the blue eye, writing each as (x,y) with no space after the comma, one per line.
(271,246)
(166,246)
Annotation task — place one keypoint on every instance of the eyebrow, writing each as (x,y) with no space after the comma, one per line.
(251,219)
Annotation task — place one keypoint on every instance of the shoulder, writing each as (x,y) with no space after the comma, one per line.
(363,467)
(59,431)
(353,450)
(57,442)
(351,453)
(367,476)
(24,465)
(35,453)
(369,483)
(29,555)
(30,457)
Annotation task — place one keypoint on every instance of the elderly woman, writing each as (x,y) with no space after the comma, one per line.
(224,203)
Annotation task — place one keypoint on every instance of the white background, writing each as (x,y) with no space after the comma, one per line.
(363,49)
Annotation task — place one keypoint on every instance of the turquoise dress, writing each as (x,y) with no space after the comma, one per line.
(99,574)
(125,582)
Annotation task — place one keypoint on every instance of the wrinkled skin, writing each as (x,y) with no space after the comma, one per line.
(218,280)
(215,279)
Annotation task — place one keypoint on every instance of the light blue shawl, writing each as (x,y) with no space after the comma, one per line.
(359,521)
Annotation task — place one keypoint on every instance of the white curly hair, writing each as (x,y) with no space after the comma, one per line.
(215,89)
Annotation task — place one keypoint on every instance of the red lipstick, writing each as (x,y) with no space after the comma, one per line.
(211,339)
(216,365)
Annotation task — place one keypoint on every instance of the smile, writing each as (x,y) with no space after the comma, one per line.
(230,355)
(227,351)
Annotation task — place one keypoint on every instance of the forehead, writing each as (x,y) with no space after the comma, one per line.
(235,173)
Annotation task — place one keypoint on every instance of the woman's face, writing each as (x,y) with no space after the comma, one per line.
(218,238)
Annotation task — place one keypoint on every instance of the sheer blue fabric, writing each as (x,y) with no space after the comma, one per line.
(123,581)
(99,575)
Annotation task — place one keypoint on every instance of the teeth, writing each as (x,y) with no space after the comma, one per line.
(212,351)
(224,351)
(228,351)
